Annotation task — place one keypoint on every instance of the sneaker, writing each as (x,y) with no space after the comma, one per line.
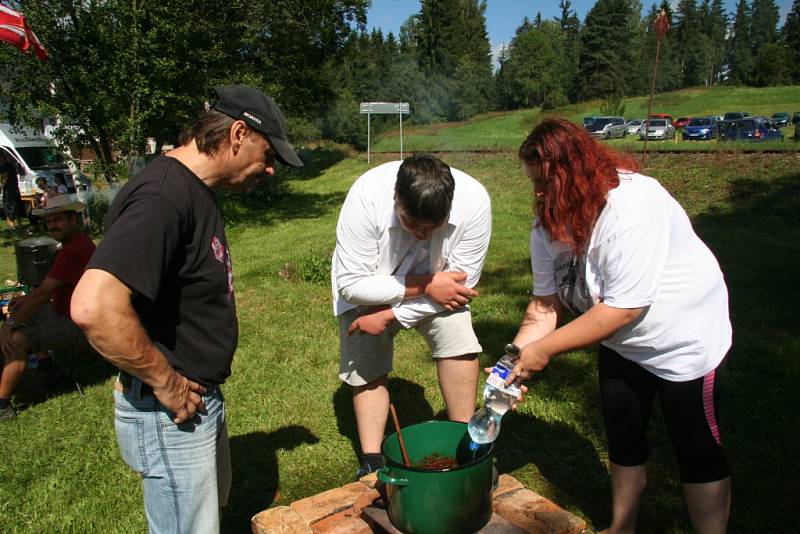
(7,413)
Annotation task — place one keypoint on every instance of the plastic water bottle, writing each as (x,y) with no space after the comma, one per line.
(484,426)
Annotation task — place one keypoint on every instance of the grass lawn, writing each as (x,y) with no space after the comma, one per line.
(505,131)
(291,422)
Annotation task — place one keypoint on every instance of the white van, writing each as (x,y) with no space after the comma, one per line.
(36,155)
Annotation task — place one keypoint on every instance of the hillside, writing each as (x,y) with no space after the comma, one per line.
(506,130)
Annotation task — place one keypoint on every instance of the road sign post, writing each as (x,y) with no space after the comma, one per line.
(383,108)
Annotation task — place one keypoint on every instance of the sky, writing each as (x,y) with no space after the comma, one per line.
(504,16)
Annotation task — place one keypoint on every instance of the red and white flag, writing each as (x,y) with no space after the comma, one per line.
(14,30)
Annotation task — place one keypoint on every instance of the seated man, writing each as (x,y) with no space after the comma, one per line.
(34,323)
(410,245)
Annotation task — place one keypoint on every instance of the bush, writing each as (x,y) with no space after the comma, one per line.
(613,106)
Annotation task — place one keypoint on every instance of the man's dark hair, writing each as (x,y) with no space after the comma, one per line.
(424,188)
(210,132)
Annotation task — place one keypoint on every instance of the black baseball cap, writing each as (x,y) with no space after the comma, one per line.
(261,113)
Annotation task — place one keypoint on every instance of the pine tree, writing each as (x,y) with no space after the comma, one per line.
(606,49)
(790,34)
(693,44)
(740,56)
(764,28)
(570,26)
(714,24)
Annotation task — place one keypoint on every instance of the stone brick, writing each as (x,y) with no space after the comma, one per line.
(320,506)
(344,522)
(536,514)
(370,480)
(507,484)
(364,500)
(279,520)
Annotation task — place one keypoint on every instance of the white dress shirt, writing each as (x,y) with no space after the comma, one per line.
(374,253)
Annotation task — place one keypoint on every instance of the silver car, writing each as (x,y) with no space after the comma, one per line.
(606,127)
(658,129)
(633,126)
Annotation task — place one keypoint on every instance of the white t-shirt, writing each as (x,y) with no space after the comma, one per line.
(643,252)
(374,253)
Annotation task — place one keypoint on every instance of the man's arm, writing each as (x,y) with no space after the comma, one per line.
(467,256)
(24,307)
(102,308)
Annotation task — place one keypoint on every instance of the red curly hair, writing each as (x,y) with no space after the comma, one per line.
(577,172)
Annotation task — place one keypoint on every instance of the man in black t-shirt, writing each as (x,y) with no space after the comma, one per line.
(157,301)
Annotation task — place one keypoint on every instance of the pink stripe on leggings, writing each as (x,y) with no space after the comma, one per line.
(708,405)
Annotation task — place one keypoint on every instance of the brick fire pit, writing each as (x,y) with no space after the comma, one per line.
(349,510)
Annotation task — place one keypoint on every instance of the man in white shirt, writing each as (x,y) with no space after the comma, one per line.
(410,245)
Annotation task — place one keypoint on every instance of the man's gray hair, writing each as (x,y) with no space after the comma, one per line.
(210,132)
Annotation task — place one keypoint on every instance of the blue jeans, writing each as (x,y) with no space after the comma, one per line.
(185,468)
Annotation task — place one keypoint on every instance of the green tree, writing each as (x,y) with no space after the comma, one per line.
(570,26)
(740,55)
(452,46)
(121,72)
(764,25)
(714,25)
(790,35)
(606,49)
(535,67)
(694,46)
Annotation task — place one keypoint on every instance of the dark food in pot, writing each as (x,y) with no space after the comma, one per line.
(436,462)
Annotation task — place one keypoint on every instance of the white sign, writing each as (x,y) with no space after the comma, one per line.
(384,107)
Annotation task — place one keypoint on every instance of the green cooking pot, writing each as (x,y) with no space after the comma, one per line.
(423,501)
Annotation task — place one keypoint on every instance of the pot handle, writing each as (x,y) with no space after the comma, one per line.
(383,476)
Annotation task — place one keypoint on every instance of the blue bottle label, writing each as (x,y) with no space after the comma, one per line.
(498,377)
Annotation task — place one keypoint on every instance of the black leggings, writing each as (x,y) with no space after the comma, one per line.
(690,410)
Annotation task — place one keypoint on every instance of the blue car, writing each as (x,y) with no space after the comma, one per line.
(700,128)
(752,129)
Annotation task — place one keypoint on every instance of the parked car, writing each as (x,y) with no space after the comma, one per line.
(633,126)
(607,127)
(588,120)
(681,122)
(722,129)
(752,129)
(700,128)
(657,129)
(662,116)
(781,119)
(735,115)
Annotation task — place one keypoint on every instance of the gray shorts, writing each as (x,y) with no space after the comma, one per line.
(364,358)
(48,330)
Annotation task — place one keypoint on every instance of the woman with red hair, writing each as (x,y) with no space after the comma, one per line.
(613,248)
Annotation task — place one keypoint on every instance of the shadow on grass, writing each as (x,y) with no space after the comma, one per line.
(407,397)
(79,369)
(271,200)
(566,459)
(757,243)
(256,480)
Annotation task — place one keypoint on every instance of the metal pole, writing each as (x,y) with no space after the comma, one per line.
(368,126)
(401,130)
